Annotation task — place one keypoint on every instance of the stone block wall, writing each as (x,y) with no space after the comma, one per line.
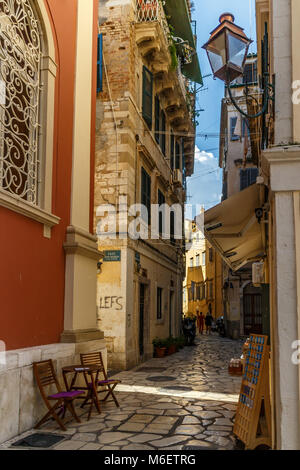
(21,405)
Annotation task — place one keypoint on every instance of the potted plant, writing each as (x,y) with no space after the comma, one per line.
(171,345)
(159,347)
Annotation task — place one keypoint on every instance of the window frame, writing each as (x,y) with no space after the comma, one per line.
(233,122)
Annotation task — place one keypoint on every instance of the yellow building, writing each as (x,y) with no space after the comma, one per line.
(202,290)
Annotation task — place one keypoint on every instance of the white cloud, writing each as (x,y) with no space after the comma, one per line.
(205,185)
(202,156)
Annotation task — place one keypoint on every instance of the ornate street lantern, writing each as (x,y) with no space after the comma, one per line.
(227,49)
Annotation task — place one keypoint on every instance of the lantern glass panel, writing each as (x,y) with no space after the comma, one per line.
(217,52)
(237,50)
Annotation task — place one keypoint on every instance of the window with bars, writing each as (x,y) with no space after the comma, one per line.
(20,100)
(146,192)
(147,102)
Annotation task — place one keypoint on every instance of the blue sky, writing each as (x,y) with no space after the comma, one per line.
(205,186)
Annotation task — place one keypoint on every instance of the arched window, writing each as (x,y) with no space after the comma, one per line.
(20,88)
(27,98)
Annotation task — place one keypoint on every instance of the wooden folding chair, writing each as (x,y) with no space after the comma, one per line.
(88,359)
(45,376)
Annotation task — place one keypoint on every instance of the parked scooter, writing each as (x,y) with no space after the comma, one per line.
(221,327)
(189,331)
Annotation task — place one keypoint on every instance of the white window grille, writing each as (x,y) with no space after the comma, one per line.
(20,88)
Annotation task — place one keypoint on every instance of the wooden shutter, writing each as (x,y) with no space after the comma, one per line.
(172,150)
(100,64)
(172,227)
(161,200)
(147,96)
(157,119)
(248,177)
(146,192)
(163,135)
(177,156)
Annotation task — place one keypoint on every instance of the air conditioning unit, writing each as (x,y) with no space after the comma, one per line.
(177,177)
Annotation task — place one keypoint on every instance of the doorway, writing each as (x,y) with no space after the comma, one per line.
(142,319)
(253,318)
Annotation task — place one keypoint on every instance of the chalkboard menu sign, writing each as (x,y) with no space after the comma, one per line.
(253,418)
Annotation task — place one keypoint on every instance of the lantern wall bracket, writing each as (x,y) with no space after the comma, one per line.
(268,88)
(267,96)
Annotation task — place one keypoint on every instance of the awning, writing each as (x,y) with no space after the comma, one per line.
(178,14)
(233,228)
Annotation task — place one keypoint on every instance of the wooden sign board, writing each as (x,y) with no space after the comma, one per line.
(253,418)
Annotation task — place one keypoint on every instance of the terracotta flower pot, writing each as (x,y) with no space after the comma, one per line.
(160,352)
(171,349)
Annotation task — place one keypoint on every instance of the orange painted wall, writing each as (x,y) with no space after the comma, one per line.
(32,269)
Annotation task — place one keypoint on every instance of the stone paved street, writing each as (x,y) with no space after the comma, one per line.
(187,399)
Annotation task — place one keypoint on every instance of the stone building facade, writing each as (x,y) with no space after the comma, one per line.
(144,152)
(242,302)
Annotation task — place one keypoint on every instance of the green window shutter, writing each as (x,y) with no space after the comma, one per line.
(147,96)
(183,166)
(161,200)
(172,150)
(172,227)
(146,192)
(163,135)
(159,303)
(177,156)
(157,119)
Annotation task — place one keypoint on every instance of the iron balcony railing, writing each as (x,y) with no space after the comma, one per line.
(152,11)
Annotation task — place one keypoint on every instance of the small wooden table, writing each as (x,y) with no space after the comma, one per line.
(89,372)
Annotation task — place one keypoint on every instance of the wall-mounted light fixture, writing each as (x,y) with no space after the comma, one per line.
(227,51)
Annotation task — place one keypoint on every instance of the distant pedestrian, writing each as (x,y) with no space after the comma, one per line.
(208,323)
(200,322)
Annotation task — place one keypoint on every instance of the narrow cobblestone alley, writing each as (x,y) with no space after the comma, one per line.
(181,401)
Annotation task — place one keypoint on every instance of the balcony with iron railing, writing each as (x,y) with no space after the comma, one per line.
(166,56)
(152,11)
